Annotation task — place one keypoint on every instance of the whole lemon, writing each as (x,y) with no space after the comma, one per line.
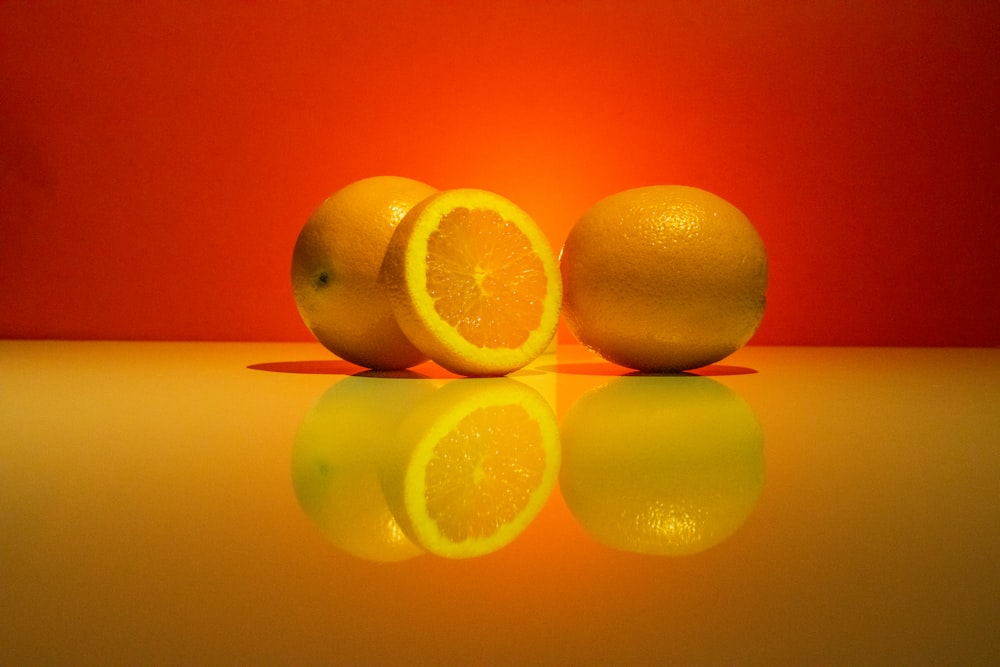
(667,465)
(339,450)
(335,267)
(663,278)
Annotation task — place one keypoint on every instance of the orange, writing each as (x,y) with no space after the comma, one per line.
(335,267)
(337,458)
(663,278)
(667,465)
(473,282)
(475,463)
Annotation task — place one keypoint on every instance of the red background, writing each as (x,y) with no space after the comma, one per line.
(158,158)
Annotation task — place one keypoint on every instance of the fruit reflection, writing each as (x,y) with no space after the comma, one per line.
(665,465)
(474,464)
(339,449)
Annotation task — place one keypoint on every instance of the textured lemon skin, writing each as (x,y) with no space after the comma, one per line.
(668,465)
(335,266)
(339,450)
(404,275)
(663,278)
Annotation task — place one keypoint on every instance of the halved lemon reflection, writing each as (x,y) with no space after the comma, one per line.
(474,464)
(666,465)
(391,467)
(341,446)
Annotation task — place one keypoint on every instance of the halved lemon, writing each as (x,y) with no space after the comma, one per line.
(475,464)
(473,282)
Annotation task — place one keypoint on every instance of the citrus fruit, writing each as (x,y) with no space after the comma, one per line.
(473,282)
(335,267)
(663,278)
(667,465)
(337,457)
(475,463)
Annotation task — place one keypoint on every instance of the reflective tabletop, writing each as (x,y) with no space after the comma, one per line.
(267,504)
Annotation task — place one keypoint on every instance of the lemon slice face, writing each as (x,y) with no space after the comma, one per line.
(478,461)
(473,282)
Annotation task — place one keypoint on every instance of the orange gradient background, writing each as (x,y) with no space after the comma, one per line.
(158,158)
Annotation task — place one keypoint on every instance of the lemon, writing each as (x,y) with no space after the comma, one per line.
(474,464)
(663,278)
(473,282)
(335,266)
(339,451)
(667,465)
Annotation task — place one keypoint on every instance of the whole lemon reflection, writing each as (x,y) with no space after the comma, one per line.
(389,468)
(666,465)
(474,463)
(340,448)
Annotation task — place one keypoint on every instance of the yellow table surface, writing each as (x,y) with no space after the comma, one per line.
(170,504)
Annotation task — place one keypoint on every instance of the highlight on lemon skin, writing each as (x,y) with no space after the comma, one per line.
(337,455)
(663,278)
(473,465)
(667,465)
(335,266)
(473,282)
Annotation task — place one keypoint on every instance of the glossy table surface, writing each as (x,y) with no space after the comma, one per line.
(216,504)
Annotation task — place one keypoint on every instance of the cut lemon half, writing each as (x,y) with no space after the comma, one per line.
(476,462)
(473,282)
